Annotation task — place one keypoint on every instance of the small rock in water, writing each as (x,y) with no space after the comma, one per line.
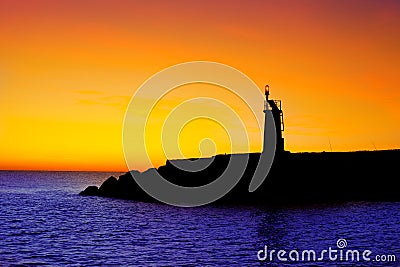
(90,191)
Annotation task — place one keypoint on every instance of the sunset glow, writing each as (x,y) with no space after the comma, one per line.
(69,68)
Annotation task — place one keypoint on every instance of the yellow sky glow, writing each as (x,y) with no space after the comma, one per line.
(69,68)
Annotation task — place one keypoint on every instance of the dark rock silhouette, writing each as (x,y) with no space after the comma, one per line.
(109,187)
(294,178)
(90,191)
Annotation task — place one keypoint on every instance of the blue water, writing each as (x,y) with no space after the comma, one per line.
(43,221)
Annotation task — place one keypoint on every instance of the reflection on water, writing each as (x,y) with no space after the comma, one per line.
(44,221)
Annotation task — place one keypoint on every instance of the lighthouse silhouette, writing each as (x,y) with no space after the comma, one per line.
(275,106)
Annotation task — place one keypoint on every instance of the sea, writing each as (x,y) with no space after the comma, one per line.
(45,222)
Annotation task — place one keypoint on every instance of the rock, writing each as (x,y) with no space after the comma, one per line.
(109,187)
(90,191)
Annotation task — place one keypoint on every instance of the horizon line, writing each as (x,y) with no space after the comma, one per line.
(125,171)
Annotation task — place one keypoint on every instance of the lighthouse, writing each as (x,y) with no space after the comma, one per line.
(275,106)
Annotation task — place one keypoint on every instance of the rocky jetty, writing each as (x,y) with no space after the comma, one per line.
(294,178)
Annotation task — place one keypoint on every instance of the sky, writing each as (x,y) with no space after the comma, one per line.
(68,70)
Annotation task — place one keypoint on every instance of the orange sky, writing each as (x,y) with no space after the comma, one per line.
(69,68)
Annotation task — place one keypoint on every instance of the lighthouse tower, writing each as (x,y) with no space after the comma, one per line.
(275,106)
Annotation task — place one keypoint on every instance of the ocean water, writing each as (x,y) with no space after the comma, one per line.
(44,222)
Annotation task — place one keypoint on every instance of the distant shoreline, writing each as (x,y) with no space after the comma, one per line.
(124,171)
(61,171)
